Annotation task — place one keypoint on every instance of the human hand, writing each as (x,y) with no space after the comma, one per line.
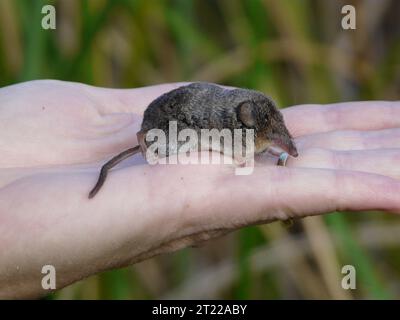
(56,135)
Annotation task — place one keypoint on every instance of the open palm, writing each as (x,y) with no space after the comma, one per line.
(56,135)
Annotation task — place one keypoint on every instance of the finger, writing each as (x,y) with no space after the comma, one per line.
(204,198)
(368,115)
(207,197)
(194,198)
(351,140)
(213,198)
(292,193)
(382,161)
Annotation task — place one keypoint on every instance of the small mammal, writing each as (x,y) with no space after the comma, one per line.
(204,105)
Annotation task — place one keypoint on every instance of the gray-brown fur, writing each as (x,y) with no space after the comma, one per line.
(204,105)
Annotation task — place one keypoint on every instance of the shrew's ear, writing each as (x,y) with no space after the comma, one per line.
(247,113)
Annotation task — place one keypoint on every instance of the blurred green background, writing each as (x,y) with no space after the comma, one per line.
(294,50)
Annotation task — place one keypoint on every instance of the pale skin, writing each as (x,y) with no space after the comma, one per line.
(56,135)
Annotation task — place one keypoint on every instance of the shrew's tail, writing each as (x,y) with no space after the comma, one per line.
(109,165)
